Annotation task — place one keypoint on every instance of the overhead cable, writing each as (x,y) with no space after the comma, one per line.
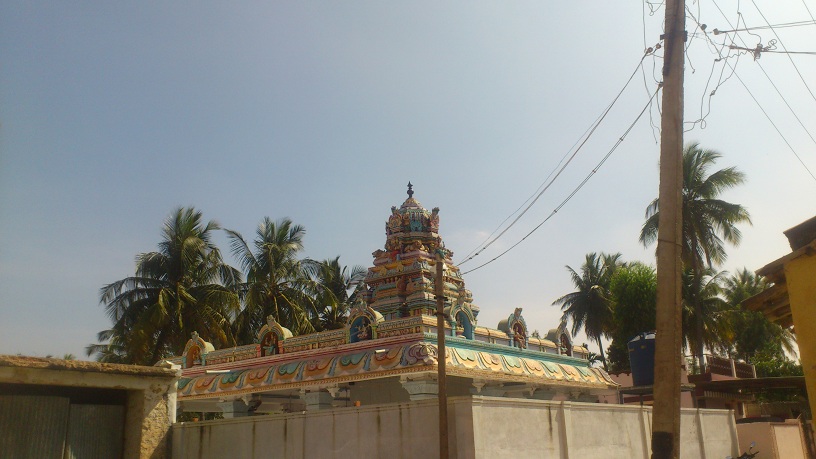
(785,48)
(760,105)
(778,26)
(784,100)
(809,13)
(578,188)
(546,185)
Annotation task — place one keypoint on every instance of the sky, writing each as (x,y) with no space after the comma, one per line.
(113,114)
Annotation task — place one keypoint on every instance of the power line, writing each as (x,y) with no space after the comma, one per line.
(720,81)
(768,49)
(778,26)
(812,53)
(652,124)
(770,80)
(578,188)
(774,125)
(757,101)
(590,127)
(808,10)
(785,48)
(546,185)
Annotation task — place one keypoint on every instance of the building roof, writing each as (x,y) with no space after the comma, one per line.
(378,359)
(753,384)
(18,361)
(802,234)
(774,301)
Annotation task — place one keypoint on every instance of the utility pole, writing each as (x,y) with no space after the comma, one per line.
(668,339)
(440,346)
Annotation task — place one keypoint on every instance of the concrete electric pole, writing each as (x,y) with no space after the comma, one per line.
(441,353)
(668,339)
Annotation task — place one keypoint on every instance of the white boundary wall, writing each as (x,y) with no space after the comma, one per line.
(479,427)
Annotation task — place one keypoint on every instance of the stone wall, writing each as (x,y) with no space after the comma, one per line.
(479,427)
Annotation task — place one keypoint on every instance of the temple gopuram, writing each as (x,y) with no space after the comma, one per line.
(387,352)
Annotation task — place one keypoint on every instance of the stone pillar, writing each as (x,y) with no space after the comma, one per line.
(147,421)
(420,389)
(318,400)
(234,409)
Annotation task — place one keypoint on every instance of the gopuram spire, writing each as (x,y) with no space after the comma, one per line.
(401,282)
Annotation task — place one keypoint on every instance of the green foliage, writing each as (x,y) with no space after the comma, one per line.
(769,363)
(633,291)
(333,283)
(194,416)
(753,334)
(708,222)
(183,287)
(589,306)
(701,293)
(277,281)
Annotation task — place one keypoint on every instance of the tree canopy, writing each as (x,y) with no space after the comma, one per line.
(183,287)
(707,223)
(633,292)
(186,286)
(589,306)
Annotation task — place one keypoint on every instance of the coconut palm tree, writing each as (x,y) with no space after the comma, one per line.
(589,307)
(703,304)
(111,350)
(752,332)
(334,282)
(742,285)
(183,287)
(277,282)
(708,222)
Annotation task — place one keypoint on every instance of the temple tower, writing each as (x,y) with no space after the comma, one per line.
(401,282)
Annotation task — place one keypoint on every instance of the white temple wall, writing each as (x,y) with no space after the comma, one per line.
(395,430)
(479,427)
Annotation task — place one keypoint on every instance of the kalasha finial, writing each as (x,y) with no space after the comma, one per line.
(410,190)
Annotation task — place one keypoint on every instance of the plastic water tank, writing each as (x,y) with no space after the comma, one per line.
(641,358)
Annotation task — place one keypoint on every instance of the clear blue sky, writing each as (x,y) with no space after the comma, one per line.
(114,113)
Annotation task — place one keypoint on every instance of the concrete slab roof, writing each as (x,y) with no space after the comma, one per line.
(18,361)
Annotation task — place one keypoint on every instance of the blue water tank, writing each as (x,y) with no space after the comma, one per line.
(641,358)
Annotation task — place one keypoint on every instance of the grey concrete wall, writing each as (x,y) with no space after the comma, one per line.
(479,427)
(150,394)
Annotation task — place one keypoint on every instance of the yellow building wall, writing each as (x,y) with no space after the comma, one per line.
(800,275)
